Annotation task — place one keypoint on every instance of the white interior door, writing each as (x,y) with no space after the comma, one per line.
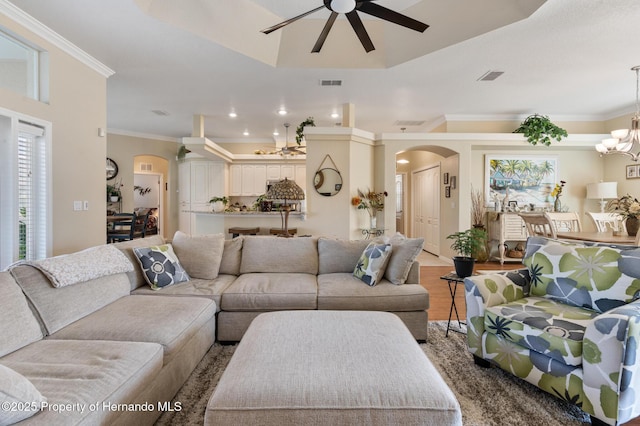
(426,202)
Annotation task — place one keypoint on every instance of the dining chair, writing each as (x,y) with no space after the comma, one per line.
(565,221)
(123,228)
(141,223)
(606,221)
(538,224)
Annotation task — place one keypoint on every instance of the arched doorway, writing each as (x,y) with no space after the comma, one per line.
(150,177)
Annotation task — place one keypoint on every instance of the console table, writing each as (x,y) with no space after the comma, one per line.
(505,227)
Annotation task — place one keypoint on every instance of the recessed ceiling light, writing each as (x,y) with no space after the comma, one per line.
(282,111)
(233,114)
(402,161)
(246,133)
(276,133)
(335,115)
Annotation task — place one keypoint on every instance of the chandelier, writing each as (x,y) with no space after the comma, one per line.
(625,141)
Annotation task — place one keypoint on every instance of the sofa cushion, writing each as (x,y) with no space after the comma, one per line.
(23,398)
(404,252)
(199,255)
(86,372)
(542,325)
(136,277)
(19,326)
(59,307)
(160,266)
(339,255)
(372,263)
(231,256)
(591,276)
(211,289)
(271,292)
(342,291)
(275,254)
(169,321)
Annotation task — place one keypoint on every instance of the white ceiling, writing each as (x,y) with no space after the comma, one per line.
(570,59)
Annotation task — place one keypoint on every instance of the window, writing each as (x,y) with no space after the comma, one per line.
(23,69)
(24,216)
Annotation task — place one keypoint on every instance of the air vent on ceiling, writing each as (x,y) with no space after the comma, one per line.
(409,123)
(146,167)
(490,75)
(160,112)
(330,82)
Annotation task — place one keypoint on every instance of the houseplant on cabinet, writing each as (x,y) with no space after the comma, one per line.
(466,243)
(219,203)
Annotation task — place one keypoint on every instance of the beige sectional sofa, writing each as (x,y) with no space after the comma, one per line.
(111,351)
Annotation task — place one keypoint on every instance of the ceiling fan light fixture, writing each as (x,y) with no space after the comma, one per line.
(343,6)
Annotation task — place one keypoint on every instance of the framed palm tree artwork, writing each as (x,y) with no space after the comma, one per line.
(526,179)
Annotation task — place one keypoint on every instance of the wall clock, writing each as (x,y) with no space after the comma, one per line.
(112,169)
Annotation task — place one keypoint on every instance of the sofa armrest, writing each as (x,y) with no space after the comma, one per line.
(611,362)
(414,274)
(483,291)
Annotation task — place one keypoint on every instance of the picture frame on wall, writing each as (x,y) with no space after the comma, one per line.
(529,179)
(445,178)
(447,191)
(632,171)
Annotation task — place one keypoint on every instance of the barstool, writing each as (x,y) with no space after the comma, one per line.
(278,231)
(243,231)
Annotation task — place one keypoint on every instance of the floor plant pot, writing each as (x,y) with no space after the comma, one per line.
(464,266)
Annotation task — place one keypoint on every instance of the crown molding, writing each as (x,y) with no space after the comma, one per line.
(30,23)
(521,117)
(142,135)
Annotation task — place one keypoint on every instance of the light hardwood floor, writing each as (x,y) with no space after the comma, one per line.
(440,299)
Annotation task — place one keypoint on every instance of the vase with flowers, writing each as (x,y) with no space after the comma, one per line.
(629,208)
(372,202)
(557,191)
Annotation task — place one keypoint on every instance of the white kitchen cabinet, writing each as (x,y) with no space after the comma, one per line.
(198,182)
(287,171)
(273,172)
(235,186)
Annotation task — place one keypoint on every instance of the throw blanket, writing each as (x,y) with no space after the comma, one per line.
(85,265)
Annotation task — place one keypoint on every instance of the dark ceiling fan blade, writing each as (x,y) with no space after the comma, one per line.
(361,32)
(288,21)
(324,33)
(391,16)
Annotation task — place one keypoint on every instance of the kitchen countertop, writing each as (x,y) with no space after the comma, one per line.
(241,214)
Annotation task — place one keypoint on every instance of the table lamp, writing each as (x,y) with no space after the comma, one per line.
(602,191)
(285,190)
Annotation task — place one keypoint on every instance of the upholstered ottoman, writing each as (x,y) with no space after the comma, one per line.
(331,367)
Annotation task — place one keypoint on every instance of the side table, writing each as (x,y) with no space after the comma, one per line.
(452,281)
(372,232)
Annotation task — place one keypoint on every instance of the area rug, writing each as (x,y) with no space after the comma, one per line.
(487,396)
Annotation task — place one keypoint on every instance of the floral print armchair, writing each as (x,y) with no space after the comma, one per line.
(569,324)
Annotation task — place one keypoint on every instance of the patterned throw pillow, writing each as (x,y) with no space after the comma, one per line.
(371,265)
(160,266)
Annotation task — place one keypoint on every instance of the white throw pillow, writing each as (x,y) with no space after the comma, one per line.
(201,255)
(19,395)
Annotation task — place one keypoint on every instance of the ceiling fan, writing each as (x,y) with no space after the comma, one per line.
(350,8)
(290,150)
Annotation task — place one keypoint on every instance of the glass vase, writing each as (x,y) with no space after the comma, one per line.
(557,205)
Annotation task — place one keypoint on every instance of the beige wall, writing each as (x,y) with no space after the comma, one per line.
(76,108)
(126,151)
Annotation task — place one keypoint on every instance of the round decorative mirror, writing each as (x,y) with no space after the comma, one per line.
(328,182)
(112,169)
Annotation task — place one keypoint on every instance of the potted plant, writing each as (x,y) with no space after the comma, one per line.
(219,203)
(466,243)
(300,130)
(539,129)
(113,193)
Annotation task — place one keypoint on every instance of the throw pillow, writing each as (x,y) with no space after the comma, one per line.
(231,256)
(160,266)
(370,266)
(18,392)
(200,256)
(404,252)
